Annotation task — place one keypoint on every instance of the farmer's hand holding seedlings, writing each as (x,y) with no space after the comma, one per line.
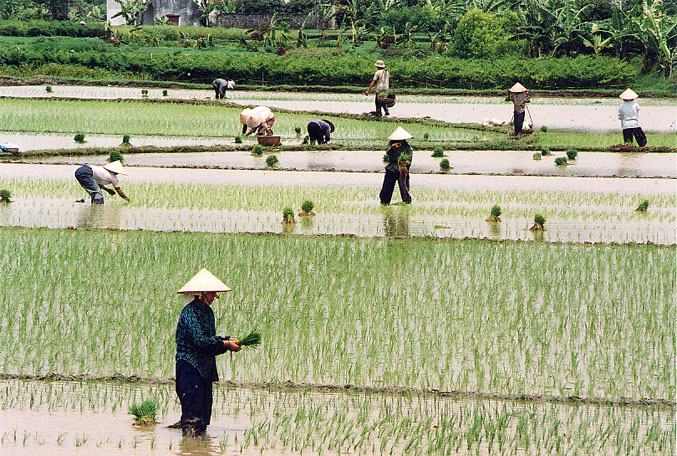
(232,344)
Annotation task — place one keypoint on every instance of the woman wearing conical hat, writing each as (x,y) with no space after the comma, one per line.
(196,348)
(399,155)
(94,178)
(628,113)
(519,95)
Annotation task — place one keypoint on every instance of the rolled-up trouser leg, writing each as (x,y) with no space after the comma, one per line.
(190,389)
(85,177)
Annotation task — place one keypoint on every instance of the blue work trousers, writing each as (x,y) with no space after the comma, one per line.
(195,394)
(85,177)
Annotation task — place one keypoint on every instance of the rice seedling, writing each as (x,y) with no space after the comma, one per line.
(438,152)
(307,208)
(537,156)
(559,161)
(79,138)
(238,140)
(444,165)
(539,223)
(125,140)
(257,150)
(643,206)
(144,93)
(495,214)
(48,89)
(544,128)
(144,413)
(116,155)
(271,161)
(545,150)
(5,196)
(288,215)
(253,340)
(572,154)
(164,92)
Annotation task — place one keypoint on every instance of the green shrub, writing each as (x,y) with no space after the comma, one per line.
(643,206)
(438,152)
(545,150)
(5,196)
(287,214)
(572,154)
(79,138)
(271,161)
(559,161)
(445,165)
(257,150)
(48,89)
(307,206)
(116,155)
(144,413)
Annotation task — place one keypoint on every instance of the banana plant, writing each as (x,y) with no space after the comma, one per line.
(597,44)
(131,10)
(655,30)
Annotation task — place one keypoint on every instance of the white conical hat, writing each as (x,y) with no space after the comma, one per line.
(203,281)
(629,94)
(244,115)
(400,134)
(115,167)
(254,120)
(517,88)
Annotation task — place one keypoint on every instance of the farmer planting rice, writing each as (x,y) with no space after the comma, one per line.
(628,113)
(94,178)
(382,82)
(259,119)
(399,155)
(196,348)
(220,86)
(519,96)
(319,130)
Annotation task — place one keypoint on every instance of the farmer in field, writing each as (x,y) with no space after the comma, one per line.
(196,348)
(628,113)
(382,82)
(220,86)
(319,130)
(399,154)
(94,178)
(259,120)
(519,96)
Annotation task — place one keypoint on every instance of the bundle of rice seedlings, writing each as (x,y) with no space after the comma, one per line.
(144,413)
(253,340)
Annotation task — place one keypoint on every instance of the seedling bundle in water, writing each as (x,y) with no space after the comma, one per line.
(643,206)
(539,223)
(495,214)
(144,413)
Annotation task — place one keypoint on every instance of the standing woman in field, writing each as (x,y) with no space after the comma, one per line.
(382,82)
(519,96)
(196,348)
(628,113)
(399,155)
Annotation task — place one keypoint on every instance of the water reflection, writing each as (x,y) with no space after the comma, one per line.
(538,235)
(198,447)
(396,222)
(95,216)
(494,230)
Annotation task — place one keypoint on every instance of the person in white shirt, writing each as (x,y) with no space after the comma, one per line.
(259,120)
(382,82)
(628,113)
(94,178)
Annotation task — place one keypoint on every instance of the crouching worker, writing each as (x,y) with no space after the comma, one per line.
(94,178)
(319,131)
(196,348)
(220,86)
(259,120)
(399,155)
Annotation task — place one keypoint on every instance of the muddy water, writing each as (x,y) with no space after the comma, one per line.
(392,222)
(590,114)
(463,162)
(300,178)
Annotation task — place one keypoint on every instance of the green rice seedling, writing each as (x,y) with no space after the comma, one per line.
(79,138)
(426,135)
(385,158)
(495,214)
(297,130)
(271,161)
(539,223)
(537,156)
(572,154)
(164,92)
(238,140)
(5,196)
(559,161)
(257,150)
(438,152)
(643,206)
(48,89)
(307,208)
(144,92)
(253,339)
(445,165)
(544,128)
(545,150)
(144,413)
(116,155)
(125,141)
(306,139)
(288,215)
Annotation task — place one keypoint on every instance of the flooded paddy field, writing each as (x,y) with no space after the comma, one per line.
(463,162)
(589,114)
(85,417)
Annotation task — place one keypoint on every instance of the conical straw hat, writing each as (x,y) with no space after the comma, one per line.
(115,167)
(400,134)
(244,115)
(254,120)
(629,94)
(203,281)
(517,88)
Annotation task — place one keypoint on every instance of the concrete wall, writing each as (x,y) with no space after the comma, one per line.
(254,20)
(188,12)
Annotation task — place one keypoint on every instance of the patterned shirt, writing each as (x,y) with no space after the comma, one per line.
(519,100)
(397,155)
(196,339)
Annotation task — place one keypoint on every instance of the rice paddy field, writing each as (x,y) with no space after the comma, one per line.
(415,329)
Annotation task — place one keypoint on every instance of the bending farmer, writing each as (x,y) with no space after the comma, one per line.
(319,130)
(220,86)
(628,113)
(259,119)
(382,82)
(519,96)
(399,154)
(196,348)
(94,178)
